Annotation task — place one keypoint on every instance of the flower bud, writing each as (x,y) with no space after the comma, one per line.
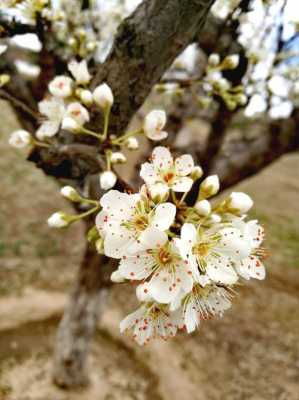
(143,292)
(61,86)
(203,207)
(231,62)
(107,180)
(154,123)
(240,202)
(86,97)
(4,79)
(215,218)
(196,173)
(58,220)
(79,70)
(158,192)
(118,158)
(209,186)
(117,277)
(241,99)
(70,124)
(70,193)
(103,96)
(132,143)
(77,112)
(20,139)
(223,84)
(214,60)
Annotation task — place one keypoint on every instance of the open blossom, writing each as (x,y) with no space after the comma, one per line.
(171,173)
(128,224)
(79,71)
(79,113)
(20,139)
(212,252)
(54,110)
(168,275)
(61,86)
(154,124)
(204,303)
(149,322)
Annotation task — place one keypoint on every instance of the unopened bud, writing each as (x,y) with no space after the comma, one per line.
(239,202)
(107,180)
(158,192)
(203,207)
(215,218)
(231,62)
(214,60)
(58,220)
(103,96)
(132,143)
(209,186)
(118,158)
(196,173)
(20,139)
(70,193)
(70,124)
(86,97)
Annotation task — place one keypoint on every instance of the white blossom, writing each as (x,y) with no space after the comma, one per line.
(116,277)
(54,110)
(20,139)
(171,173)
(118,158)
(107,180)
(61,86)
(103,96)
(214,59)
(79,113)
(128,224)
(70,124)
(154,123)
(79,71)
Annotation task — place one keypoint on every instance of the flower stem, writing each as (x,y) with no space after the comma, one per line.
(126,136)
(85,214)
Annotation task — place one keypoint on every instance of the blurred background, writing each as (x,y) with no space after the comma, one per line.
(252,353)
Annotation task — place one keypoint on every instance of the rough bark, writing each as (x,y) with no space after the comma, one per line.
(79,321)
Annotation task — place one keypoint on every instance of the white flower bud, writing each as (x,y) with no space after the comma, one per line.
(158,192)
(117,277)
(20,139)
(61,86)
(223,83)
(203,207)
(79,71)
(58,220)
(132,143)
(240,202)
(196,173)
(143,292)
(154,123)
(215,218)
(231,62)
(103,96)
(241,99)
(3,48)
(107,180)
(214,59)
(210,186)
(91,46)
(86,97)
(70,193)
(118,158)
(70,124)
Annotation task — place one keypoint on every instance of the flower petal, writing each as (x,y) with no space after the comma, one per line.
(234,244)
(220,270)
(162,158)
(184,165)
(164,216)
(148,173)
(136,267)
(116,243)
(157,135)
(188,234)
(182,184)
(251,267)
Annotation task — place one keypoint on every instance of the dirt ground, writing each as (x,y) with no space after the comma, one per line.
(252,353)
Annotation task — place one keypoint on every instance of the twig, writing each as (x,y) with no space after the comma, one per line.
(18,104)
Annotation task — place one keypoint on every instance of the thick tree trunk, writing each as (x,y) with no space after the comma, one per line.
(79,322)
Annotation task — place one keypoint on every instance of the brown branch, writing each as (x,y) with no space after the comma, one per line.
(18,104)
(10,28)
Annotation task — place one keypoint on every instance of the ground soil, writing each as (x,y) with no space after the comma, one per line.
(252,353)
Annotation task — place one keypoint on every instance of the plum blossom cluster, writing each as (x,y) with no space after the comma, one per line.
(184,260)
(68,106)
